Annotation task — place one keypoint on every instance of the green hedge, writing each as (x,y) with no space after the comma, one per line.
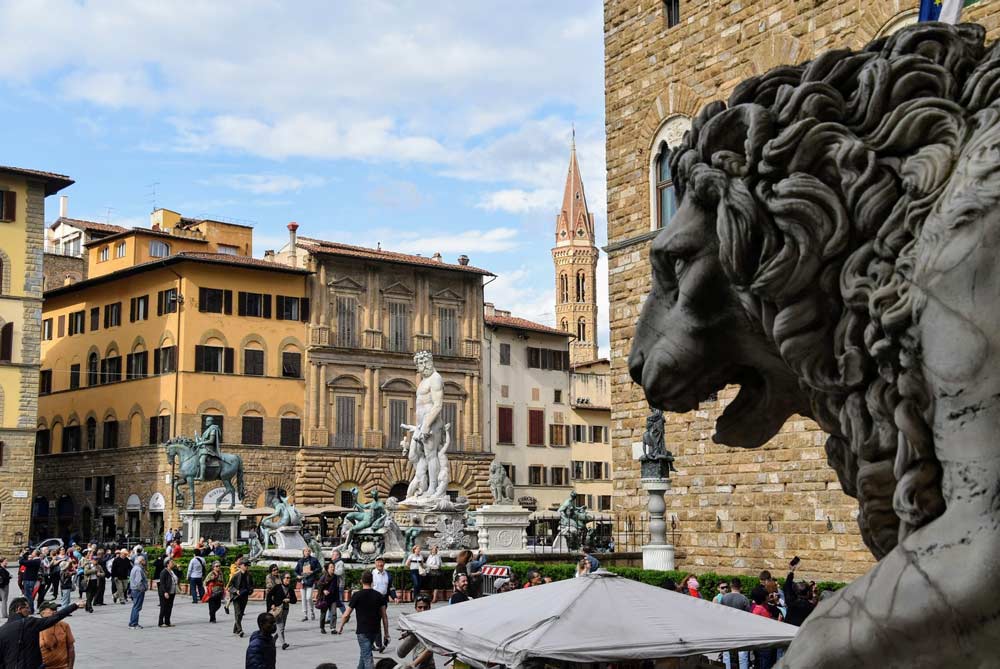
(708,582)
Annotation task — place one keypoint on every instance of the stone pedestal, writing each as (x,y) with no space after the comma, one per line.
(503,528)
(289,538)
(658,554)
(220,525)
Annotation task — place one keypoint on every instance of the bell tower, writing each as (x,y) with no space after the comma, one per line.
(575,259)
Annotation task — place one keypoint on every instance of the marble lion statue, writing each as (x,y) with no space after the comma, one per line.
(836,254)
(501,486)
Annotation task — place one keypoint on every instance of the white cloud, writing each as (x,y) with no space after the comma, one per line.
(520,201)
(519,293)
(468,242)
(266,184)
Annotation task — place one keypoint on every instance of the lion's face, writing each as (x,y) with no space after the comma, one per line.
(693,338)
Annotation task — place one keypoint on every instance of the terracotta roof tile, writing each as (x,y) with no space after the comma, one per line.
(92,226)
(143,231)
(338,249)
(523,324)
(245,261)
(53,182)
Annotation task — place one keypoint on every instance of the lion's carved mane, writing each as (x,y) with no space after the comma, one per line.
(821,176)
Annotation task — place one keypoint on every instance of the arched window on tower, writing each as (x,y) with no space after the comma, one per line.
(666,198)
(564,325)
(581,286)
(563,288)
(581,330)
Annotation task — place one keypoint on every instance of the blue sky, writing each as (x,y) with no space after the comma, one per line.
(425,126)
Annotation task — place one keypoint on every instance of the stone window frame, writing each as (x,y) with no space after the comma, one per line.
(668,135)
(347,288)
(347,385)
(5,284)
(255,342)
(447,299)
(399,389)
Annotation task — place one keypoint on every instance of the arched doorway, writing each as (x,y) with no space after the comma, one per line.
(65,516)
(40,519)
(86,525)
(399,490)
(133,523)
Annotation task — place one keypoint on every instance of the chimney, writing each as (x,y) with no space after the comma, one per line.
(292,237)
(269,255)
(489,309)
(463,259)
(437,257)
(63,205)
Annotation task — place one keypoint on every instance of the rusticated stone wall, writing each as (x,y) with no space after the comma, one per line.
(733,510)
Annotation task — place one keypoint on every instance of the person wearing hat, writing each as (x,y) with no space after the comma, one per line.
(19,636)
(56,642)
(121,566)
(502,585)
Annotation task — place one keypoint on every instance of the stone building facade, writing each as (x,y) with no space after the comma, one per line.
(178,323)
(731,510)
(22,225)
(373,310)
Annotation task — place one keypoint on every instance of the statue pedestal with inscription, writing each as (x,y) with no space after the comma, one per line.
(503,528)
(220,525)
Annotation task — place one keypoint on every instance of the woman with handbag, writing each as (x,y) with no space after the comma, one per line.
(215,590)
(433,580)
(415,563)
(166,589)
(279,598)
(327,595)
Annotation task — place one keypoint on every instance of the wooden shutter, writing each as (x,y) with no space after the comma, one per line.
(227,361)
(129,361)
(95,318)
(279,307)
(157,352)
(159,303)
(199,358)
(131,310)
(7,342)
(253,430)
(536,427)
(304,309)
(291,430)
(265,305)
(9,206)
(153,424)
(241,304)
(227,302)
(344,436)
(202,299)
(505,423)
(107,316)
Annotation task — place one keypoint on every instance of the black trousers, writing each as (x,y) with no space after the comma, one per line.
(214,604)
(101,586)
(166,607)
(239,606)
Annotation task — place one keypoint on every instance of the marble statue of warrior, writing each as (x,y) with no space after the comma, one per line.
(209,443)
(430,434)
(835,255)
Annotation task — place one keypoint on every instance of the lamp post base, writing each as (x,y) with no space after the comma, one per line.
(658,558)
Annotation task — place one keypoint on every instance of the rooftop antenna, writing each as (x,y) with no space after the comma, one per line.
(107,214)
(151,193)
(573,141)
(378,245)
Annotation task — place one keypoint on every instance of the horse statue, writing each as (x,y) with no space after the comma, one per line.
(223,469)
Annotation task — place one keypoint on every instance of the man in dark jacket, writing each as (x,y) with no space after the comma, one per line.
(308,570)
(19,645)
(262,653)
(240,588)
(29,576)
(121,567)
(798,606)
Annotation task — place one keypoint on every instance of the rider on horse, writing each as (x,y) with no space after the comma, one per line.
(209,443)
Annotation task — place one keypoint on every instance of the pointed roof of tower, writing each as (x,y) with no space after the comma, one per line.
(574,213)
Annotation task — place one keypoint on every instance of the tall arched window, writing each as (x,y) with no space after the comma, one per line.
(91,433)
(1,276)
(666,198)
(92,378)
(563,288)
(581,286)
(7,342)
(662,197)
(581,330)
(564,325)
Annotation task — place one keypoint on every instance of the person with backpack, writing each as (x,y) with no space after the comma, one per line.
(196,577)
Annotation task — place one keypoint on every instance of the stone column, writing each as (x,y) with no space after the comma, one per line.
(321,401)
(658,554)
